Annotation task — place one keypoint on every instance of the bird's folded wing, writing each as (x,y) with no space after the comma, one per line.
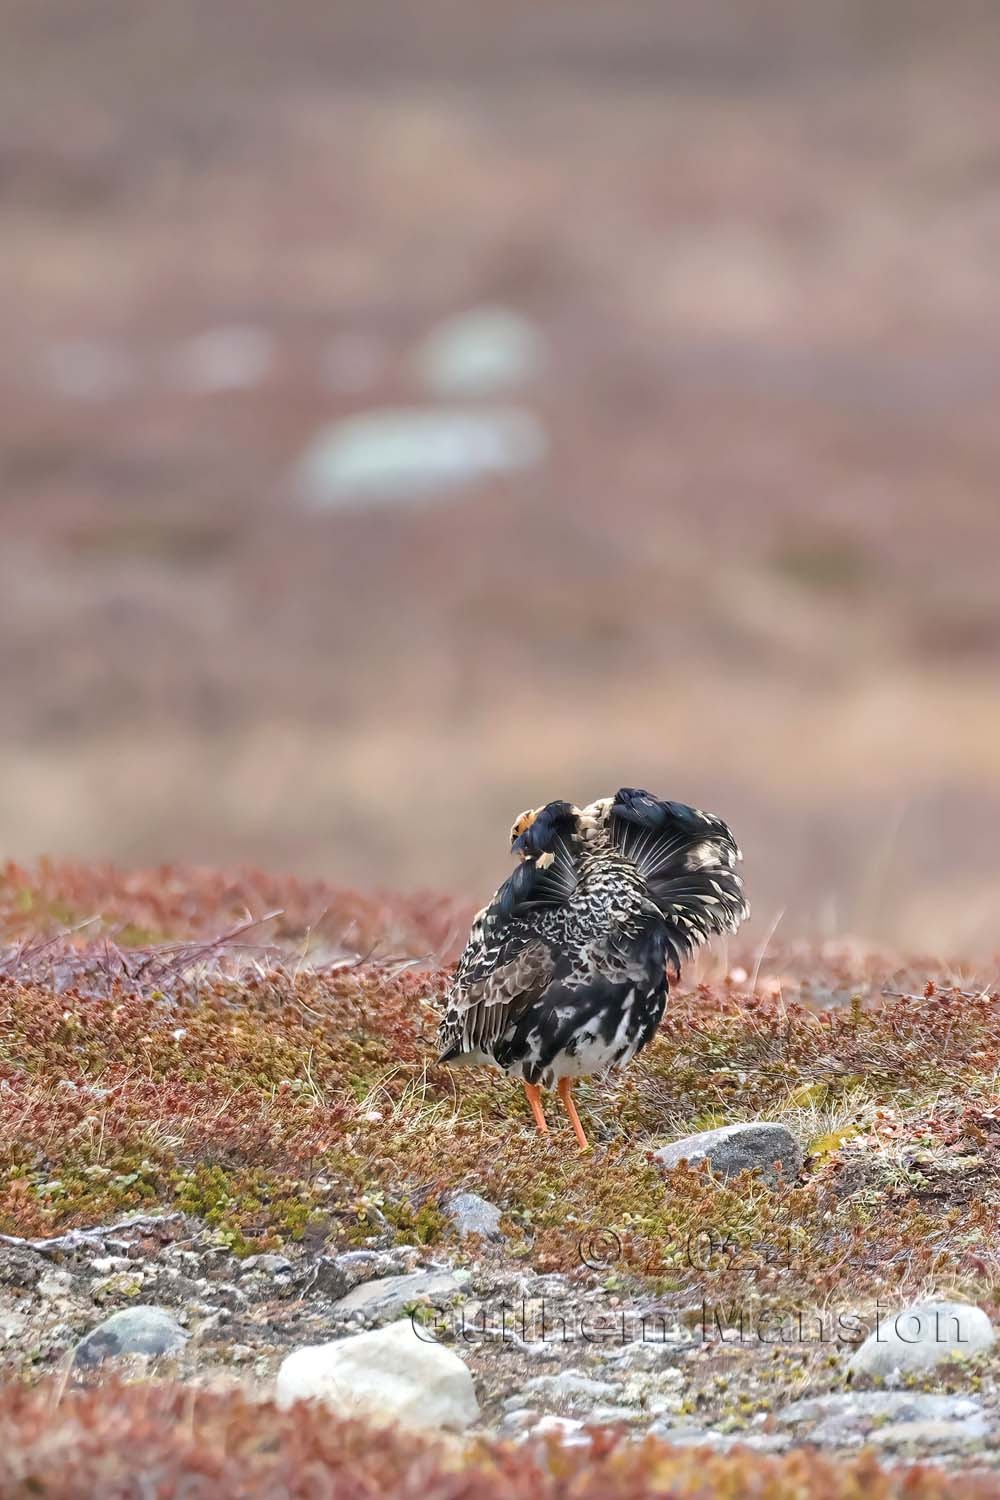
(491,984)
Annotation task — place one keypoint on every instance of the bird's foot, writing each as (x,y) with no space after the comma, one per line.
(534,1094)
(565,1089)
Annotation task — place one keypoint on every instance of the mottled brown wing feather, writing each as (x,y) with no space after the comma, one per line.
(484,996)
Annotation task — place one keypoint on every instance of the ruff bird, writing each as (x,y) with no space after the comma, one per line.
(565,971)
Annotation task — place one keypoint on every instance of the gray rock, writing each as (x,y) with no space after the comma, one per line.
(397,1372)
(542,1352)
(517,1420)
(571,1388)
(659,1405)
(607,1416)
(764,1442)
(921,1336)
(87,1239)
(479,352)
(868,1407)
(760,1442)
(931,1433)
(404,455)
(265,1275)
(471,1214)
(150,1331)
(838,1432)
(569,1432)
(335,1275)
(19,1266)
(552,1287)
(849,1418)
(268,1265)
(12,1325)
(391,1295)
(104,1265)
(735,1148)
(708,1437)
(654,1355)
(681,1433)
(55,1284)
(225,1295)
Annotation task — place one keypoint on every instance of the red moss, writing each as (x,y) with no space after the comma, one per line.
(170,1441)
(174,902)
(268,1096)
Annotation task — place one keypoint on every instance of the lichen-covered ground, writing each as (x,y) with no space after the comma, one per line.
(276,1095)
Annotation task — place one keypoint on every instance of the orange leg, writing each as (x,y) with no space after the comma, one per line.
(566,1095)
(535,1100)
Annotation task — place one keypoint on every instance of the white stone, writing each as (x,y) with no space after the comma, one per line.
(479,352)
(397,455)
(920,1336)
(398,1372)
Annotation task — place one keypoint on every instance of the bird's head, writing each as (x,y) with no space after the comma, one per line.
(533,834)
(521,824)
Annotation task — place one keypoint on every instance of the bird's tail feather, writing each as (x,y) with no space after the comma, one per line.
(688,858)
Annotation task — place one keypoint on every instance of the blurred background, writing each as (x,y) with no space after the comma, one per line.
(409,414)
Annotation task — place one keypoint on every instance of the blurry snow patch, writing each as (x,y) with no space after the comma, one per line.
(481,351)
(398,455)
(231,358)
(85,370)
